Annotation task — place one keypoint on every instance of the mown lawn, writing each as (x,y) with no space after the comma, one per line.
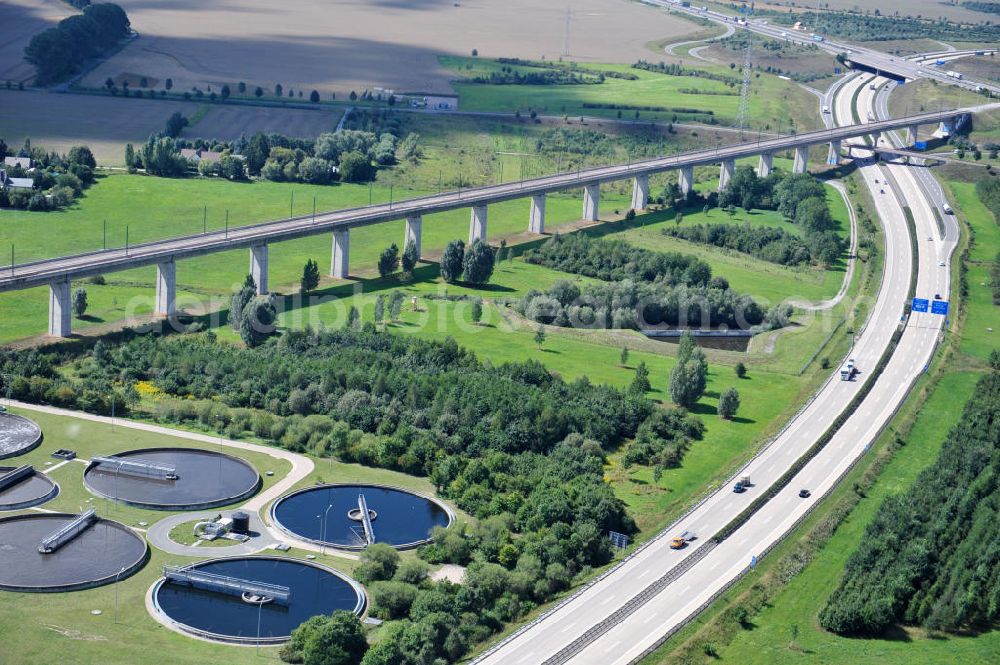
(40,629)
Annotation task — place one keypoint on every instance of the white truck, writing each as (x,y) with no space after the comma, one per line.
(848,371)
(955,75)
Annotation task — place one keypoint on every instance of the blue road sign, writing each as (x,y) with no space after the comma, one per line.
(753,561)
(939,307)
(919,305)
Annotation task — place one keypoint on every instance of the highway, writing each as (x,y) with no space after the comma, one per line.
(859,54)
(619,617)
(104,261)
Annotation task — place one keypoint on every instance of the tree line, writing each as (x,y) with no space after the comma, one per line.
(930,555)
(60,52)
(762,242)
(640,305)
(581,254)
(348,155)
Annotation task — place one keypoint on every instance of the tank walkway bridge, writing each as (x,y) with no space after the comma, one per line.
(57,273)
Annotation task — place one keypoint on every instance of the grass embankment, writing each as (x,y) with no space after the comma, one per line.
(779,604)
(775,104)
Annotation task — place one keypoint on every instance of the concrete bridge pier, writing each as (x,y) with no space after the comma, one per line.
(258,267)
(477,225)
(591,202)
(640,192)
(341,254)
(801,159)
(60,314)
(765,164)
(726,171)
(685,180)
(536,216)
(414,227)
(945,128)
(834,155)
(166,289)
(911,134)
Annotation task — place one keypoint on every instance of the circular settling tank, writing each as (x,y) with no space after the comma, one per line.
(18,435)
(31,490)
(98,555)
(331,515)
(172,478)
(235,615)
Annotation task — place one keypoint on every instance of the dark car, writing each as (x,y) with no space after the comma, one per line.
(805,494)
(739,488)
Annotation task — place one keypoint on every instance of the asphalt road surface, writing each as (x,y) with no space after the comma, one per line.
(701,570)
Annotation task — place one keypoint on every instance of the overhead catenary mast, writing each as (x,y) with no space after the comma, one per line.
(744,112)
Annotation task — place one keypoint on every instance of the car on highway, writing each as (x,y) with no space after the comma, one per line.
(681,541)
(947,209)
(804,494)
(940,264)
(930,238)
(739,488)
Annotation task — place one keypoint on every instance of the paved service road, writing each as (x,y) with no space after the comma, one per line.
(702,570)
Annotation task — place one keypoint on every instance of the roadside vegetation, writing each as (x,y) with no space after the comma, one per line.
(927,557)
(775,615)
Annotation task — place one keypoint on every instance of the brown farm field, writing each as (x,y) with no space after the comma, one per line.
(336,47)
(60,121)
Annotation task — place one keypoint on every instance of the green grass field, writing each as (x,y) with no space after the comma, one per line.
(775,104)
(175,207)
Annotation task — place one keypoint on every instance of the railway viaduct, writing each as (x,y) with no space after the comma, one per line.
(58,273)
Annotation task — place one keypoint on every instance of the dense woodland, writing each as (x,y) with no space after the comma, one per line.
(60,52)
(519,449)
(931,555)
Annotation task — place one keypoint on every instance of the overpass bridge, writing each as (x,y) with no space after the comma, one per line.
(57,273)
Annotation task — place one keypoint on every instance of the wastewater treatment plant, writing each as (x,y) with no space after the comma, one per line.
(354,516)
